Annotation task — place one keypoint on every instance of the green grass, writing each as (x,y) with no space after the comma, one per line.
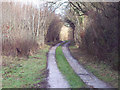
(24,73)
(99,68)
(72,78)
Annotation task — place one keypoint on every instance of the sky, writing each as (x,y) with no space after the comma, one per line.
(62,8)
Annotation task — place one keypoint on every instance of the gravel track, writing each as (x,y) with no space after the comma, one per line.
(87,77)
(55,77)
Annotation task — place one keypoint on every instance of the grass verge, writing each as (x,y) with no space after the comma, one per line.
(72,78)
(25,73)
(99,68)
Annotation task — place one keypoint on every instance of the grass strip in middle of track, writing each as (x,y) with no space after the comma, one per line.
(72,78)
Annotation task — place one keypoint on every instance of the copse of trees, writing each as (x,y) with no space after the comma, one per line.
(96,28)
(54,30)
(24,27)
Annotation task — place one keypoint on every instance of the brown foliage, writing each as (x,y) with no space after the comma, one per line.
(101,30)
(54,30)
(101,36)
(23,28)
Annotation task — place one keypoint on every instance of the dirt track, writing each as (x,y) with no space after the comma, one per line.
(55,78)
(87,77)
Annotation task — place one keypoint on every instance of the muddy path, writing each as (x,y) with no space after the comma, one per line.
(55,77)
(88,78)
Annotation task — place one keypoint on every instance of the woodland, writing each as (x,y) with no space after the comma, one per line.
(25,29)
